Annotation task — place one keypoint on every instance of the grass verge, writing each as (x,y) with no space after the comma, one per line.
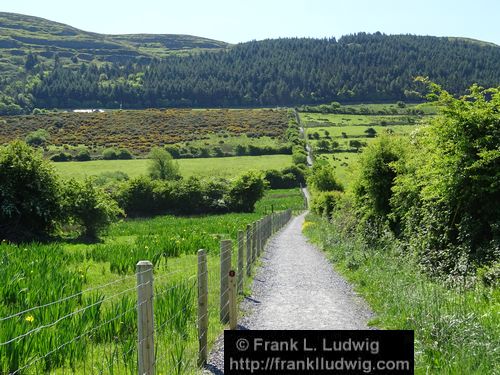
(456,329)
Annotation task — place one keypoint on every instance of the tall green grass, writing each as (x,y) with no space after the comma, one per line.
(457,329)
(96,330)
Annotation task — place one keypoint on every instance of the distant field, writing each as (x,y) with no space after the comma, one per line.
(343,128)
(316,119)
(139,131)
(209,167)
(342,163)
(359,131)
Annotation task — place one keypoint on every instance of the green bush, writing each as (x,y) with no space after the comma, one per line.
(447,189)
(106,178)
(39,137)
(324,203)
(82,154)
(162,165)
(89,206)
(322,178)
(123,154)
(137,197)
(109,154)
(287,178)
(246,191)
(376,176)
(62,156)
(29,193)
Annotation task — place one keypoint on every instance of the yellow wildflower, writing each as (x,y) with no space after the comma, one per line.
(29,319)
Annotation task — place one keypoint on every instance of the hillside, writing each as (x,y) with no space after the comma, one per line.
(94,70)
(21,34)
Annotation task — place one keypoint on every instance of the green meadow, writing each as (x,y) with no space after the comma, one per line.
(95,331)
(204,167)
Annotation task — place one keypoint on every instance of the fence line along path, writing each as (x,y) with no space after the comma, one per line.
(296,288)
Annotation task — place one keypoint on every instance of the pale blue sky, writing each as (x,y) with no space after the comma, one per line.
(239,21)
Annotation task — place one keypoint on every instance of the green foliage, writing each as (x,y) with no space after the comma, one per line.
(246,191)
(162,165)
(89,206)
(373,184)
(322,178)
(39,137)
(445,192)
(62,156)
(287,178)
(29,192)
(456,329)
(324,203)
(109,154)
(83,154)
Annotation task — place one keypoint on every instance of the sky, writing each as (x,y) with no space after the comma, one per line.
(237,21)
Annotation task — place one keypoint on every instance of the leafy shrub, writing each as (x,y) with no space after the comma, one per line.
(246,191)
(123,154)
(162,166)
(373,184)
(445,191)
(109,154)
(29,192)
(82,154)
(89,206)
(324,203)
(137,197)
(62,156)
(38,138)
(174,151)
(105,178)
(285,179)
(240,150)
(323,178)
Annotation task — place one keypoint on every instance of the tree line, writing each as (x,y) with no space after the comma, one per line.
(296,71)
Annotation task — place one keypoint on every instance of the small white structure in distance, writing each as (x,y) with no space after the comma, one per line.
(88,110)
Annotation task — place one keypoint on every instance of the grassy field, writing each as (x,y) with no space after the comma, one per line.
(321,119)
(209,167)
(358,130)
(95,331)
(343,128)
(343,164)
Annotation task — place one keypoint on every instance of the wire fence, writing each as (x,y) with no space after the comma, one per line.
(164,324)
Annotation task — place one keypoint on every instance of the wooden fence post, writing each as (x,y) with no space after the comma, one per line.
(240,261)
(202,307)
(233,307)
(145,322)
(225,265)
(249,249)
(254,241)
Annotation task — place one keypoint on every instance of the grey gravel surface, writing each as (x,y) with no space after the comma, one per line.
(296,288)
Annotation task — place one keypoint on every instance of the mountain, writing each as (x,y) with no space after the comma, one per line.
(21,34)
(145,71)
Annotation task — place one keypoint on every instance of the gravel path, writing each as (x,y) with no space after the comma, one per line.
(296,288)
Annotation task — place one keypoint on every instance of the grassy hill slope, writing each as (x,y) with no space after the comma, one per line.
(20,34)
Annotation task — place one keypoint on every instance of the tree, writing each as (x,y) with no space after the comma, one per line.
(370,132)
(38,137)
(323,178)
(246,191)
(31,61)
(89,206)
(162,165)
(354,143)
(29,193)
(446,193)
